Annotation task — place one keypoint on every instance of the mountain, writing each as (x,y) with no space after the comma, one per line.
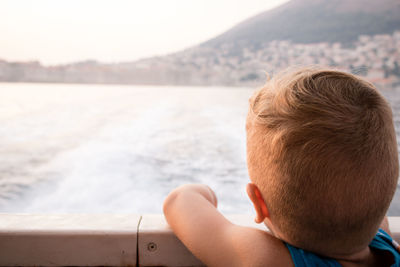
(312,21)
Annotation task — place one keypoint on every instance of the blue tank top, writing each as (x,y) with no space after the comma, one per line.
(381,241)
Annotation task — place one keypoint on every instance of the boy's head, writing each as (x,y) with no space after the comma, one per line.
(321,148)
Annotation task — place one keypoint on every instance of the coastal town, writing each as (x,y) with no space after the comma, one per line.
(229,64)
(375,57)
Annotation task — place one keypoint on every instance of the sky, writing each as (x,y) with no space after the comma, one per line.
(58,32)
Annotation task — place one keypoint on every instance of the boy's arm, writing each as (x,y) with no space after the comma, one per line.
(191,212)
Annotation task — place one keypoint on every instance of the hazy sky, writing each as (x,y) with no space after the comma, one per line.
(55,31)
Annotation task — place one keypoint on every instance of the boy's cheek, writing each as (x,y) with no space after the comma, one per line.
(248,123)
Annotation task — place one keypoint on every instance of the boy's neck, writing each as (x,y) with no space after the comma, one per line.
(359,256)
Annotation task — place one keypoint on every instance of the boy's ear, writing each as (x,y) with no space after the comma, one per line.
(258,202)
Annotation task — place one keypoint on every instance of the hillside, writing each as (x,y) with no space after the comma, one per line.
(312,21)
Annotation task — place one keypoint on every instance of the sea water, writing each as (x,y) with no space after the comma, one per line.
(121,149)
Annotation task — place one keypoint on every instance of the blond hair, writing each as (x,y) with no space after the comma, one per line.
(322,149)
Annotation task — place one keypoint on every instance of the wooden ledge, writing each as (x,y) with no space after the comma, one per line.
(101,240)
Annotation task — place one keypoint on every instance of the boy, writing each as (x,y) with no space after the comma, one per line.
(323,164)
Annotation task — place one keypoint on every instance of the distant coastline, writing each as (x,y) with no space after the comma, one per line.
(375,57)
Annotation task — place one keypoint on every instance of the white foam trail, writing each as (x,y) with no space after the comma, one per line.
(128,156)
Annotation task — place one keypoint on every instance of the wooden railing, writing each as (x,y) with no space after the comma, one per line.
(100,240)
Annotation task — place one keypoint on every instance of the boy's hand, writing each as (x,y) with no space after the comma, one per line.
(191,212)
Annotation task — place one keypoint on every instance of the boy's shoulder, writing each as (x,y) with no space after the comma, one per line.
(258,248)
